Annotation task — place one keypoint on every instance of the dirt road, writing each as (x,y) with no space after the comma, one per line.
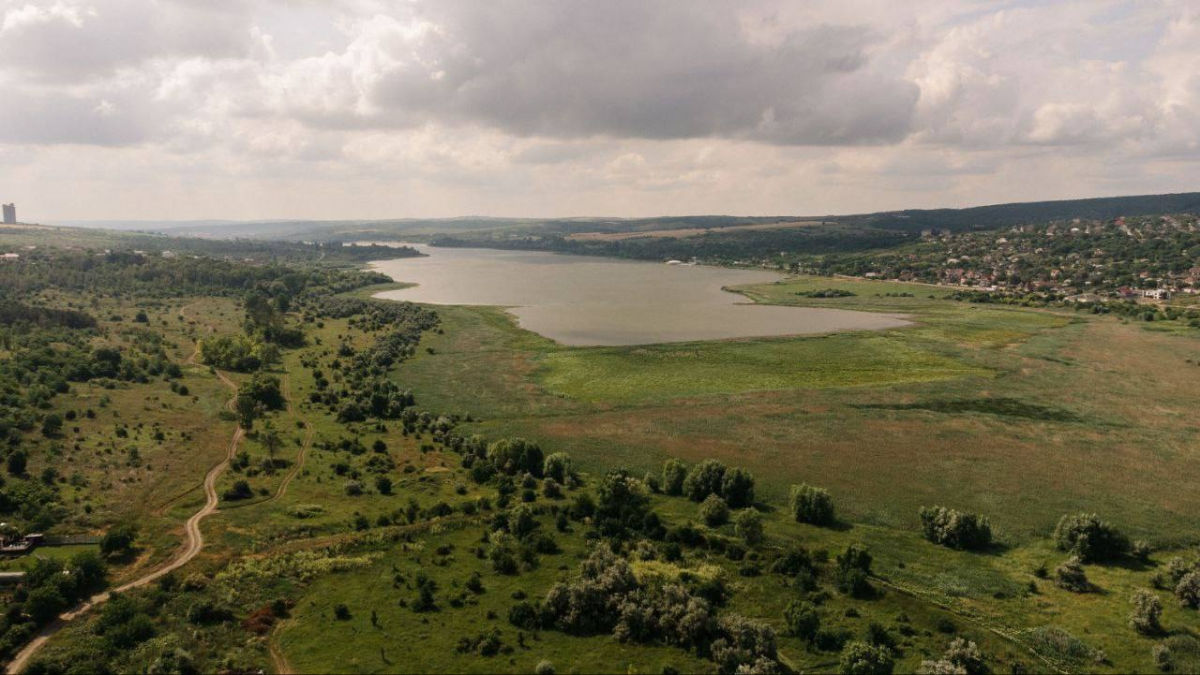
(193,544)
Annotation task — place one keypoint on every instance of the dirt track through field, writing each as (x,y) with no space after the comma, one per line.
(193,544)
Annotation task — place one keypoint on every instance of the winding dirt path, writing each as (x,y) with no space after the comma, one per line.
(193,544)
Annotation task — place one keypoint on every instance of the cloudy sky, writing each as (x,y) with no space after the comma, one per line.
(367,109)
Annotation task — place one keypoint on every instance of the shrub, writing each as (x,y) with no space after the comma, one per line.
(240,490)
(558,466)
(1188,590)
(955,529)
(737,488)
(525,615)
(861,658)
(961,657)
(703,480)
(383,485)
(118,540)
(1089,538)
(853,569)
(341,612)
(353,488)
(802,620)
(744,646)
(544,668)
(713,511)
(1070,576)
(749,526)
(1147,612)
(811,505)
(673,475)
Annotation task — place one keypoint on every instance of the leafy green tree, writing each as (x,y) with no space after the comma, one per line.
(955,529)
(558,466)
(749,525)
(673,475)
(861,658)
(802,620)
(118,540)
(1091,539)
(703,480)
(1147,612)
(714,511)
(811,505)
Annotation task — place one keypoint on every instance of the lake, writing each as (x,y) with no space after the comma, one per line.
(589,301)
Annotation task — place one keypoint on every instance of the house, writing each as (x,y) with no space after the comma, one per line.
(1156,294)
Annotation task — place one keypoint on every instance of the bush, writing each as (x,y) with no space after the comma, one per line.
(525,615)
(118,540)
(737,488)
(955,529)
(1147,612)
(749,526)
(1089,538)
(544,668)
(961,656)
(673,475)
(703,480)
(383,485)
(802,620)
(341,612)
(558,466)
(1188,590)
(240,490)
(853,570)
(811,505)
(1070,576)
(713,511)
(861,658)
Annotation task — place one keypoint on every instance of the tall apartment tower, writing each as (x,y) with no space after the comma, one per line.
(10,214)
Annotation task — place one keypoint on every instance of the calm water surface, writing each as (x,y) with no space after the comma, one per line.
(588,301)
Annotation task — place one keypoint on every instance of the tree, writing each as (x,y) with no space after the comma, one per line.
(1188,590)
(621,503)
(703,480)
(1147,612)
(713,511)
(558,466)
(853,570)
(44,603)
(861,658)
(1089,538)
(737,488)
(811,505)
(802,620)
(1070,576)
(16,462)
(271,441)
(52,425)
(383,485)
(118,540)
(955,529)
(673,475)
(962,657)
(749,526)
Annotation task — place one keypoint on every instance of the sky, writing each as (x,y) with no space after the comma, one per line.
(330,109)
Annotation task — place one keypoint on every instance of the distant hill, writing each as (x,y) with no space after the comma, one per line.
(1003,215)
(906,221)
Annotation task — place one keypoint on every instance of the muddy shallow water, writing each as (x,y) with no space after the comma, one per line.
(589,301)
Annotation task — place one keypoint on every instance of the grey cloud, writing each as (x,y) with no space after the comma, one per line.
(663,70)
(56,118)
(73,41)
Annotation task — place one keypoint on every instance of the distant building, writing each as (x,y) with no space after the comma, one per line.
(10,214)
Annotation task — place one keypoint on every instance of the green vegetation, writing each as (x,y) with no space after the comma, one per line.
(432,488)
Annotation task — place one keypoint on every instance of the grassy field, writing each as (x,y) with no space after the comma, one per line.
(1021,414)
